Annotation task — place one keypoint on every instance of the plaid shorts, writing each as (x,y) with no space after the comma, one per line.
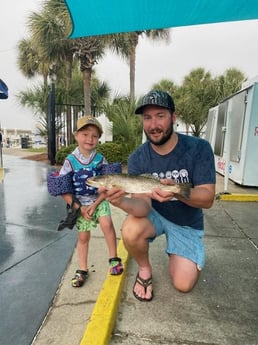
(181,240)
(103,209)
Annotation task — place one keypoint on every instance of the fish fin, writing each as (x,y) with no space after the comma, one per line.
(185,190)
(116,185)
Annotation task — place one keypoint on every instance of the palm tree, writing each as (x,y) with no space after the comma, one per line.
(197,95)
(229,83)
(52,28)
(100,94)
(88,50)
(127,128)
(125,44)
(167,86)
(29,60)
(49,30)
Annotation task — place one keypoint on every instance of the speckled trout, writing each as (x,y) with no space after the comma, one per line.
(138,184)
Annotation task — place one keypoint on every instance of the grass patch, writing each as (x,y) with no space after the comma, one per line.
(37,150)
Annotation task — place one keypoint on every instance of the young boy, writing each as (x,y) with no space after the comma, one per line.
(85,162)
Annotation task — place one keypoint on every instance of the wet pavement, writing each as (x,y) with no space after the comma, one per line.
(33,255)
(35,268)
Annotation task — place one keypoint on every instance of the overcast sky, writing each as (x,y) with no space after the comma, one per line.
(216,47)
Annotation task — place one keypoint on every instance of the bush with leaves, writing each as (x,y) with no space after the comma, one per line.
(113,152)
(63,153)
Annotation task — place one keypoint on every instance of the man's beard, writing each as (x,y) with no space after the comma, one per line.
(164,139)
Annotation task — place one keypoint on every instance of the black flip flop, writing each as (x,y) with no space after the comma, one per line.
(144,283)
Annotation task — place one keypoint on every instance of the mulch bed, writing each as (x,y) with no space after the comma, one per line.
(42,157)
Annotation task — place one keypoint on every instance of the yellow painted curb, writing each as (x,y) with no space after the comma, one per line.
(1,175)
(238,197)
(103,317)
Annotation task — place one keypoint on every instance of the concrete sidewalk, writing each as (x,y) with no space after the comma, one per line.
(222,309)
(73,308)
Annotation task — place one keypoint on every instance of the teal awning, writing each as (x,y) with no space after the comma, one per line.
(99,17)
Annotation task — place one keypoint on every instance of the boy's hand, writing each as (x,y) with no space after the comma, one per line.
(87,211)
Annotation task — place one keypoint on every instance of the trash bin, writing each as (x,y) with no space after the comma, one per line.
(24,143)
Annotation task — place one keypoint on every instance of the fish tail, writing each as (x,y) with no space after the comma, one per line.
(185,190)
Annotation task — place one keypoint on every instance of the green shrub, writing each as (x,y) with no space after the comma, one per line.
(113,152)
(63,153)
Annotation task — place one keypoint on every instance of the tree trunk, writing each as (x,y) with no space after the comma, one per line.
(86,89)
(132,73)
(187,128)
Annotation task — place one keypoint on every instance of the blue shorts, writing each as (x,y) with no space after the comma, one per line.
(181,240)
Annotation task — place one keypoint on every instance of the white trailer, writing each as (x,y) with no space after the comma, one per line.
(232,130)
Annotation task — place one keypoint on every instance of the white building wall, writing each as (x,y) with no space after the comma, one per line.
(107,128)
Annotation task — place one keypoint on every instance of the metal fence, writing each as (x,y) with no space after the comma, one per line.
(61,125)
(66,118)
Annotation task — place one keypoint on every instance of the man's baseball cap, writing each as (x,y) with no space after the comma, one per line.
(156,97)
(89,120)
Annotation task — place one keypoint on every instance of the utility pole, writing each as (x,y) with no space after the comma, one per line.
(51,119)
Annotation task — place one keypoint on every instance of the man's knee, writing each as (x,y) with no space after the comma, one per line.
(134,229)
(183,285)
(130,233)
(183,272)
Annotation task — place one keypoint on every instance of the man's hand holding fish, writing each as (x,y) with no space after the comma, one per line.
(138,205)
(162,195)
(113,195)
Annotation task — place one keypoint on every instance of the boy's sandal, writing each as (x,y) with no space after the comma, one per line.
(79,279)
(144,283)
(115,266)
